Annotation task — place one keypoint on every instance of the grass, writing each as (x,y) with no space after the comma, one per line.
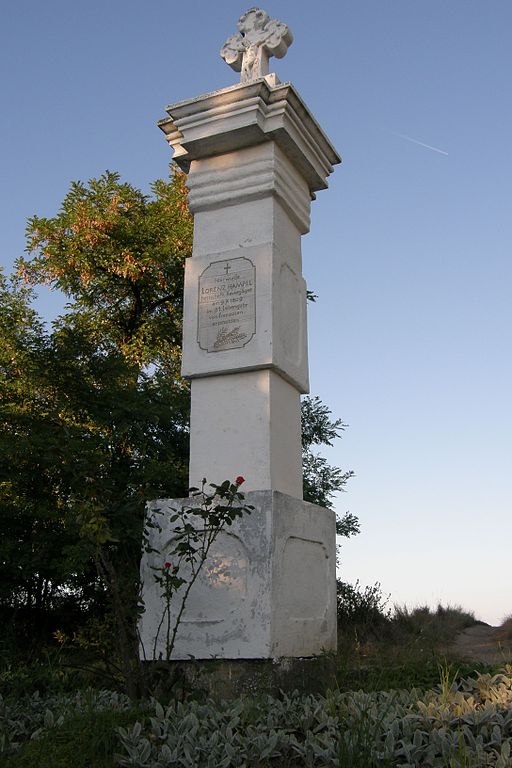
(506,629)
(402,674)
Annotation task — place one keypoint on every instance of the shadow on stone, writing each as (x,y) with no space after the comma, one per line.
(220,679)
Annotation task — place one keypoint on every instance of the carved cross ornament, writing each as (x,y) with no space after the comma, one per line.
(259,38)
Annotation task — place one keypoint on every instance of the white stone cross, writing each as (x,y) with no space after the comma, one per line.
(259,38)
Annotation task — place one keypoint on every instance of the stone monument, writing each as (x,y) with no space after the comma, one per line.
(255,156)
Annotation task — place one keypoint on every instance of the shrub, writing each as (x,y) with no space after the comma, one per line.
(361,609)
(435,628)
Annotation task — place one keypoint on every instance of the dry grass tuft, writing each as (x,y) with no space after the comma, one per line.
(506,629)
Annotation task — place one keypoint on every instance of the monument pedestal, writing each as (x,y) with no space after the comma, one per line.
(267,590)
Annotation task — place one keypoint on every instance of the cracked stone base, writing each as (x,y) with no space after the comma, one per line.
(267,591)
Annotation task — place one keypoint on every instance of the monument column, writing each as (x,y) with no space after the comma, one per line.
(245,318)
(255,156)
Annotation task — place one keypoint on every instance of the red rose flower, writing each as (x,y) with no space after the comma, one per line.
(240,480)
(167,565)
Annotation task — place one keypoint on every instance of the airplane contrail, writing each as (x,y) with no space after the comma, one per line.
(421,144)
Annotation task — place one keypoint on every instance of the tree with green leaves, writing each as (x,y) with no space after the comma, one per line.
(320,479)
(94,413)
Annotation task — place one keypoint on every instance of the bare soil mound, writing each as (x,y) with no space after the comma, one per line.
(483,643)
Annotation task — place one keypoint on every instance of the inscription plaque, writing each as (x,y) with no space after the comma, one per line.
(226,305)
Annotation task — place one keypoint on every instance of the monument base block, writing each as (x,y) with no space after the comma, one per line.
(227,679)
(266,591)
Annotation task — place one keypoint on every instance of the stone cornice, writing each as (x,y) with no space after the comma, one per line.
(269,173)
(248,114)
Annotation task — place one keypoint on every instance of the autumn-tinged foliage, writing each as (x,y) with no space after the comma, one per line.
(94,414)
(94,417)
(119,256)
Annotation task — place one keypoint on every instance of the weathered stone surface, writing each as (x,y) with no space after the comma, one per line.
(259,37)
(226,679)
(226,297)
(267,591)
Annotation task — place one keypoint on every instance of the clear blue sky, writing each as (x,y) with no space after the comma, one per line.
(410,248)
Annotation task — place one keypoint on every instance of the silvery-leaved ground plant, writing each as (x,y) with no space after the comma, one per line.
(31,716)
(467,726)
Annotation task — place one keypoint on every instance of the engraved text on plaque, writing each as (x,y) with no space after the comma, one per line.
(226,305)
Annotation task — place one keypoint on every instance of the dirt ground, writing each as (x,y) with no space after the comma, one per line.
(483,643)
